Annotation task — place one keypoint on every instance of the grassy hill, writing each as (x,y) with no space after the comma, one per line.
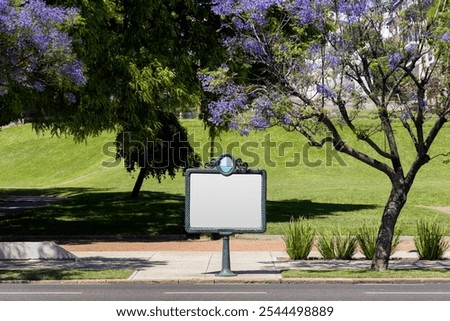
(32,160)
(331,189)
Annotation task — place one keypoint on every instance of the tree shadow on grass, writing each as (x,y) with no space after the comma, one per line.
(96,212)
(284,210)
(91,214)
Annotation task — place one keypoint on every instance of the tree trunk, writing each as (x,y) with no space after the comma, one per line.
(138,184)
(394,205)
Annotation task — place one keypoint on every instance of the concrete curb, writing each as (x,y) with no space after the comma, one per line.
(243,281)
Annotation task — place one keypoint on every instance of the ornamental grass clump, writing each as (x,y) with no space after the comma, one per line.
(299,238)
(430,242)
(367,240)
(337,246)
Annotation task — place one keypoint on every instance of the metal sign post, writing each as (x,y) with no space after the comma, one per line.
(226,266)
(225,198)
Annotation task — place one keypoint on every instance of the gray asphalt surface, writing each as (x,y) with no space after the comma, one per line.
(142,291)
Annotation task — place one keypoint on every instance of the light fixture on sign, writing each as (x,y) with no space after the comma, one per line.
(226,164)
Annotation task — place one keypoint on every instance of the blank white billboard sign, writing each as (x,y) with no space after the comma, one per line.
(216,203)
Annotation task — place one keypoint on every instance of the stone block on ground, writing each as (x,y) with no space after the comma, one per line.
(33,251)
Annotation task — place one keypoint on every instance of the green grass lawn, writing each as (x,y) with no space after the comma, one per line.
(332,190)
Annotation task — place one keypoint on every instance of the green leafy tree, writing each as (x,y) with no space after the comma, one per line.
(165,155)
(142,59)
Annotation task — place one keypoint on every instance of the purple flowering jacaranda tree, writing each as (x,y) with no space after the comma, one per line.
(316,66)
(36,52)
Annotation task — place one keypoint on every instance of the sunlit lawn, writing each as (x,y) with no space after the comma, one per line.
(330,189)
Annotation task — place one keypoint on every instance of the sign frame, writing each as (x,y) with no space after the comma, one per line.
(239,172)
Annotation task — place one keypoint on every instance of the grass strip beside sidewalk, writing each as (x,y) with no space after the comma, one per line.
(365,273)
(59,274)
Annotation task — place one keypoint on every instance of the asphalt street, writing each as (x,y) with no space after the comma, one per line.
(142,291)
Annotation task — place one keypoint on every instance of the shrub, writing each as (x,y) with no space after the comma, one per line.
(430,242)
(326,247)
(337,246)
(299,238)
(367,239)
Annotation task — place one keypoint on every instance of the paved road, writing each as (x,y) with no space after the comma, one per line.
(141,291)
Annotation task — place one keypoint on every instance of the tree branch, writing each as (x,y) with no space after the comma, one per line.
(411,134)
(442,154)
(363,137)
(423,158)
(389,132)
(435,130)
(341,146)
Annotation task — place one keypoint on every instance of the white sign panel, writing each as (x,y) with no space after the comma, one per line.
(218,203)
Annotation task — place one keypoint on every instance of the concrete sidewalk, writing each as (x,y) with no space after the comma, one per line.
(255,266)
(202,266)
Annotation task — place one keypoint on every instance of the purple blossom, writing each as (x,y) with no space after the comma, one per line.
(394,60)
(241,24)
(4,4)
(324,90)
(446,36)
(333,60)
(348,84)
(354,10)
(259,123)
(222,7)
(335,40)
(305,11)
(205,80)
(309,11)
(38,86)
(40,39)
(230,42)
(253,47)
(287,119)
(258,17)
(262,112)
(263,104)
(313,65)
(232,101)
(245,131)
(256,9)
(314,48)
(38,49)
(71,98)
(261,5)
(74,70)
(233,125)
(18,76)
